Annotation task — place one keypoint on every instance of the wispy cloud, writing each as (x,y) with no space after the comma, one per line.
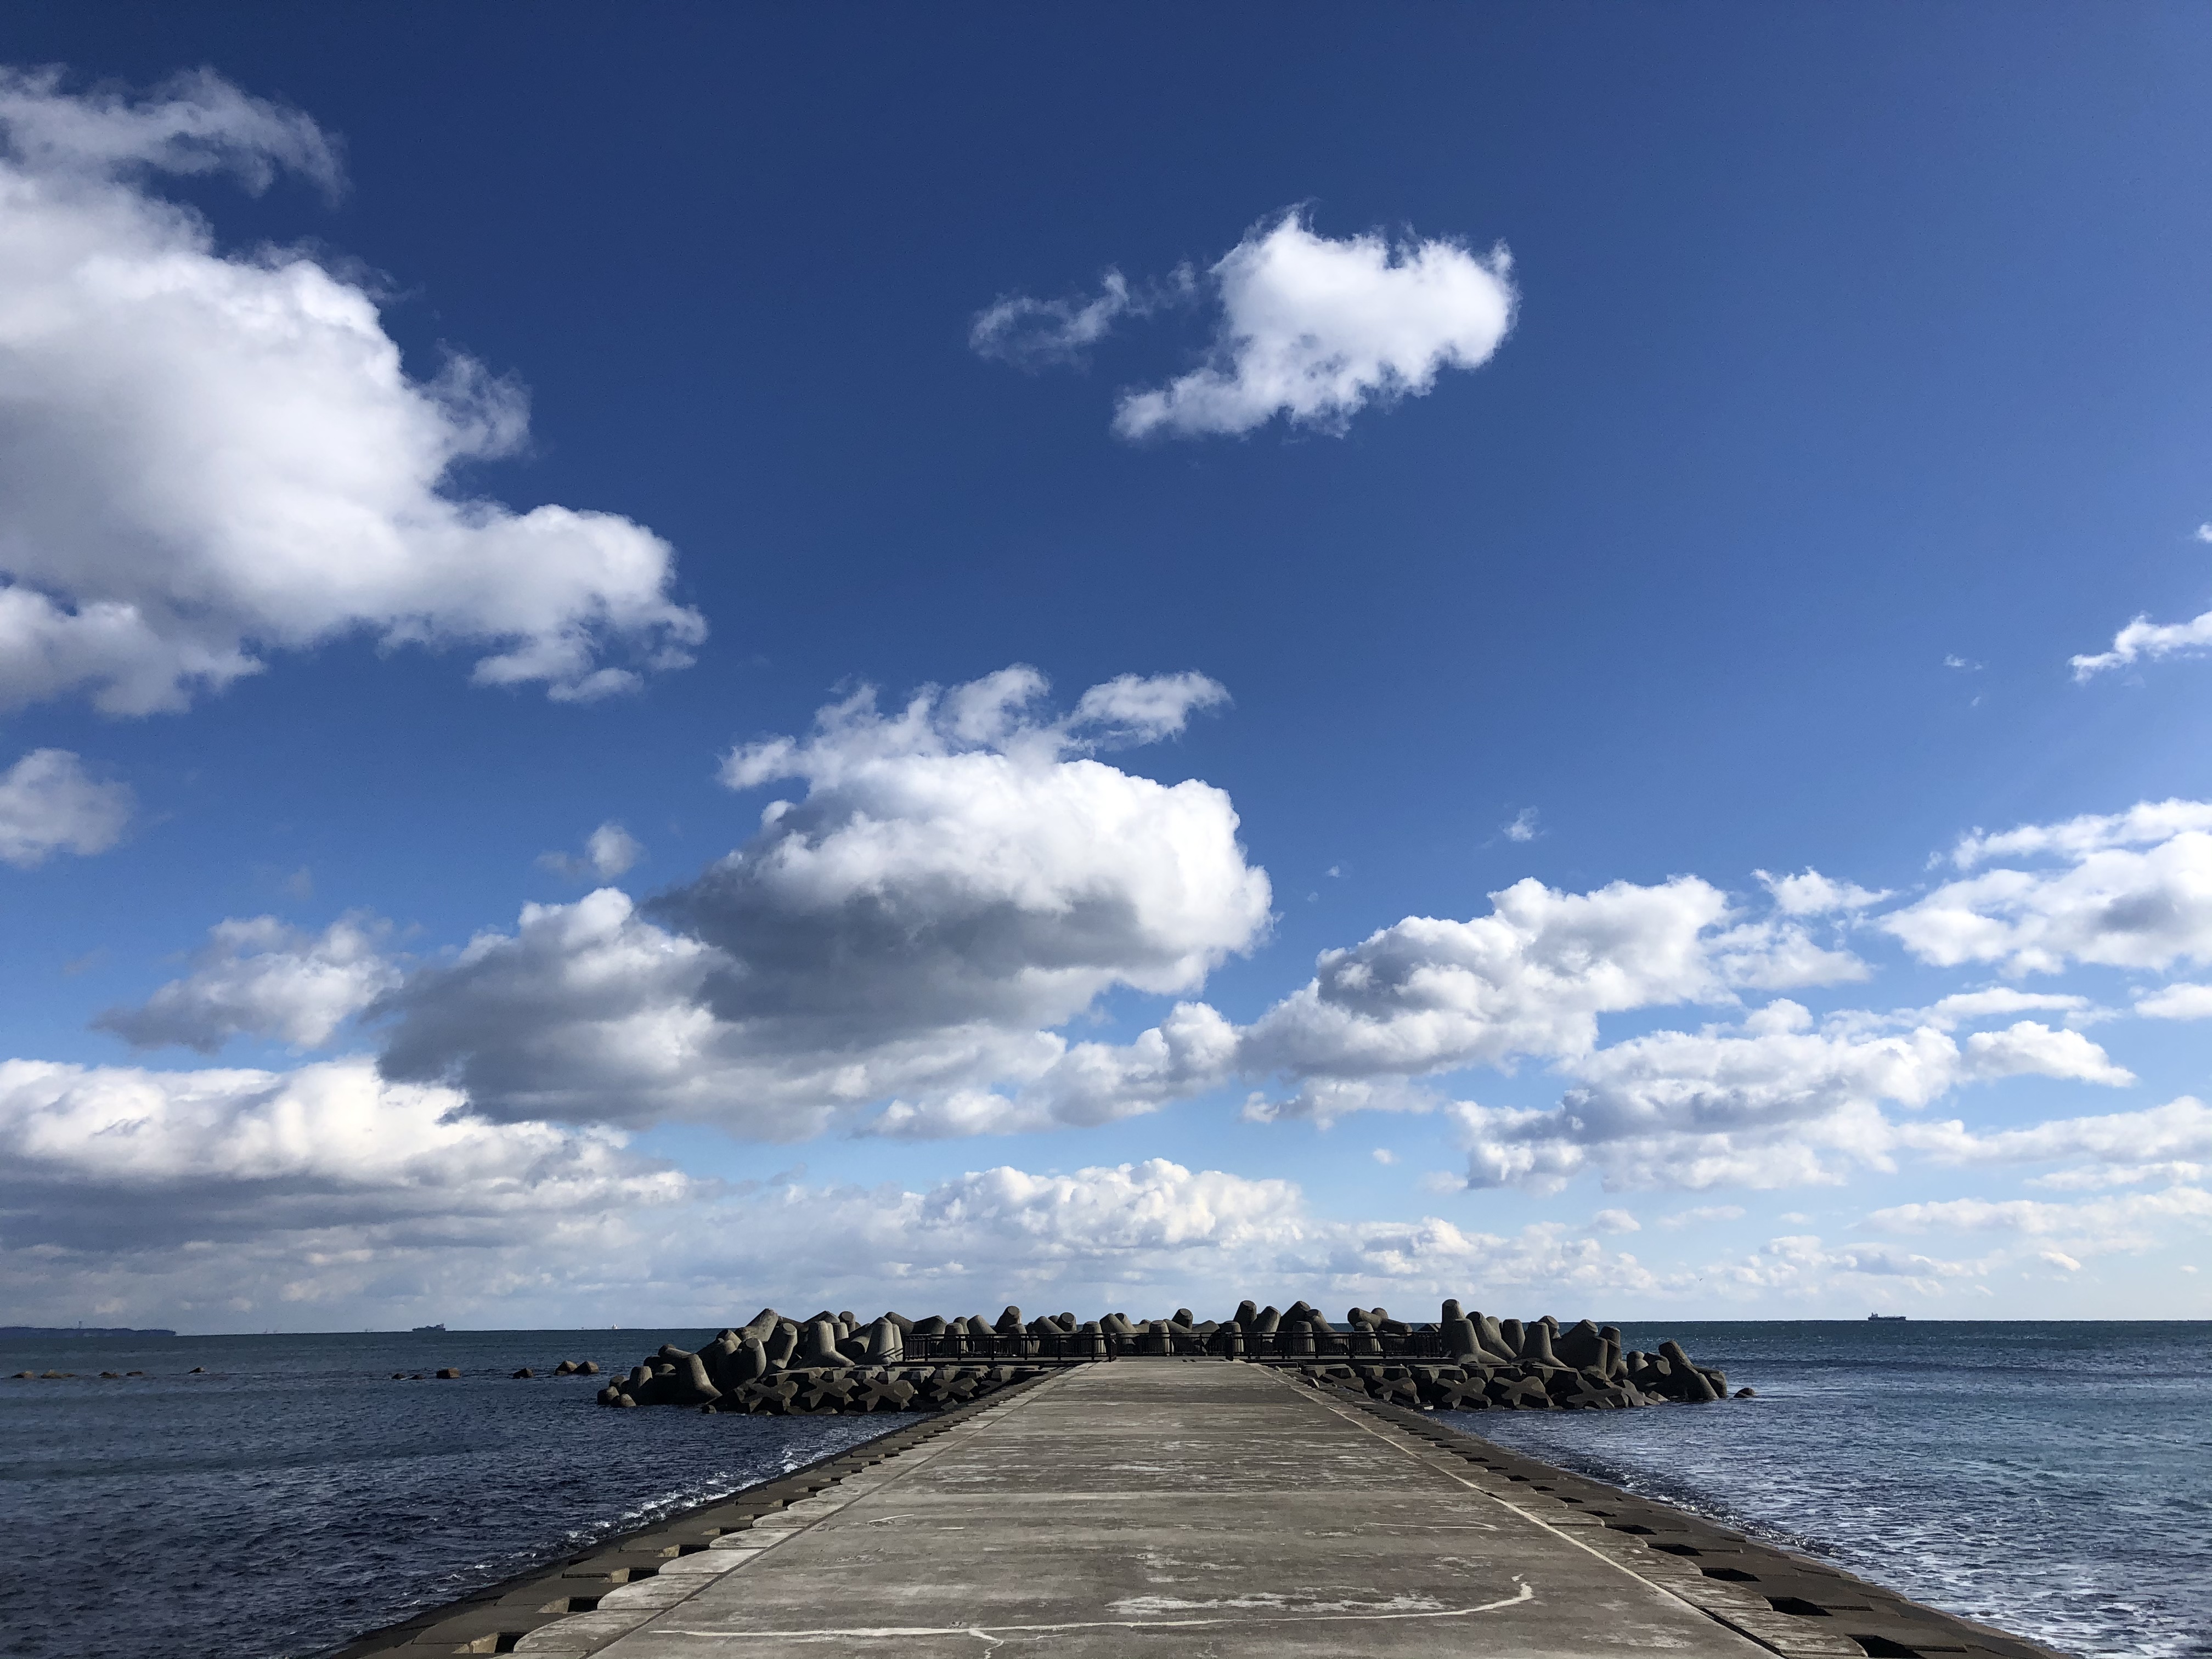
(2143,640)
(1034,334)
(609,850)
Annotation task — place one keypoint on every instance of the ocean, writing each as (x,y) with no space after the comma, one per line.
(2054,1479)
(295,1495)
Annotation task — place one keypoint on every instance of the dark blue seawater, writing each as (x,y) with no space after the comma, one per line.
(295,1495)
(2052,1480)
(2055,1480)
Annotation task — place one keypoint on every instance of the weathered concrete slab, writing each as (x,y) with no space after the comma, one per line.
(1171,1507)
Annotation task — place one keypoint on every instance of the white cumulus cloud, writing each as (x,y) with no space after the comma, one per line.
(1314,329)
(257,977)
(206,455)
(1528,980)
(958,877)
(2109,903)
(1811,894)
(2028,1047)
(49,804)
(143,1157)
(2142,824)
(1772,1104)
(2181,1129)
(331,1196)
(2177,1001)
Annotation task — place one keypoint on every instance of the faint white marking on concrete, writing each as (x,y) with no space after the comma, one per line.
(985,1632)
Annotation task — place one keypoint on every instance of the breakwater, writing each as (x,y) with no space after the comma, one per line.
(1462,1360)
(1225,1510)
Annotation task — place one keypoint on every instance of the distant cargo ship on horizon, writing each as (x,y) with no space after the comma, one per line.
(429,1330)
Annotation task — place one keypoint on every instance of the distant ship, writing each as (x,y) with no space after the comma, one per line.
(1880,1316)
(439,1330)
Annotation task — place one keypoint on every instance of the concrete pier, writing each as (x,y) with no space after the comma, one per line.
(1168,1507)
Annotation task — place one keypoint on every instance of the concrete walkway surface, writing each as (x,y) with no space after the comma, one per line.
(1153,1507)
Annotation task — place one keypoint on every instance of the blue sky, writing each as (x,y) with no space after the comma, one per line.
(1851,386)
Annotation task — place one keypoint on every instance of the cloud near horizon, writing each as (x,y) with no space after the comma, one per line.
(899,950)
(329,1198)
(205,456)
(1769,1103)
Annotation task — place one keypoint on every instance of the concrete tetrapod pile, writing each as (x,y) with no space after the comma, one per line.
(830,1363)
(1504,1364)
(1462,1360)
